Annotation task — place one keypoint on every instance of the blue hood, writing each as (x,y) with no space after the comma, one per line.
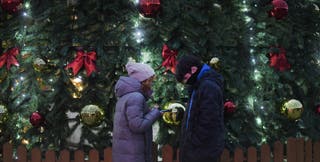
(207,72)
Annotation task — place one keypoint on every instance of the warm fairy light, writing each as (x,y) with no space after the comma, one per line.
(75,95)
(24,141)
(16,83)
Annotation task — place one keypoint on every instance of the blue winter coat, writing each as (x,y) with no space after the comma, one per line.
(132,123)
(203,128)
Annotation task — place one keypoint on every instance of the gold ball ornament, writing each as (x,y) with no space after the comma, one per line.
(3,114)
(91,115)
(175,116)
(40,65)
(78,84)
(215,63)
(292,109)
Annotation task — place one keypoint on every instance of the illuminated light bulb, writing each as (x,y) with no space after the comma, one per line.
(257,75)
(27,5)
(24,141)
(253,61)
(245,9)
(138,36)
(258,121)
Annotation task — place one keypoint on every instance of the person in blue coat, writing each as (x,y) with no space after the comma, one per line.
(133,119)
(203,131)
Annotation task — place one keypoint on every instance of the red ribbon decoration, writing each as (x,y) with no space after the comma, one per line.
(9,57)
(279,60)
(86,59)
(170,58)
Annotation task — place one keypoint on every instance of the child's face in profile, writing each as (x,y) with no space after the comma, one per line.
(147,84)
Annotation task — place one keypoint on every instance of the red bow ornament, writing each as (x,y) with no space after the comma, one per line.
(9,57)
(279,60)
(87,59)
(170,58)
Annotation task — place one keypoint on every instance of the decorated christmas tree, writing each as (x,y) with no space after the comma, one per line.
(59,61)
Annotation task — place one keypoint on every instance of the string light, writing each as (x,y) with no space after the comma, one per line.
(138,35)
(258,121)
(27,5)
(253,60)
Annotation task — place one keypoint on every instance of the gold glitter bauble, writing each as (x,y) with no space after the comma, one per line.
(175,116)
(92,115)
(292,109)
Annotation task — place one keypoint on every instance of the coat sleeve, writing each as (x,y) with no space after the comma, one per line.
(138,121)
(210,115)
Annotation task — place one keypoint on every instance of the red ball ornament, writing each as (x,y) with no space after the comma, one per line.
(318,109)
(11,6)
(229,107)
(149,8)
(280,9)
(36,119)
